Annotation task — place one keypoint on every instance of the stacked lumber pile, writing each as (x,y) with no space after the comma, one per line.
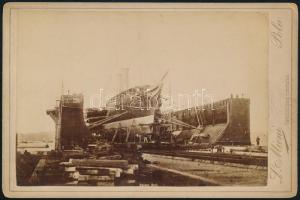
(101,172)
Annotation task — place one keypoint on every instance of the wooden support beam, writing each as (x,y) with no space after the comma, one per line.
(114,137)
(100,163)
(127,134)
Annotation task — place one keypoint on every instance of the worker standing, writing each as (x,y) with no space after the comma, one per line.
(257,140)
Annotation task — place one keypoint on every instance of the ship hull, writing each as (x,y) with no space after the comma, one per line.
(141,122)
(133,107)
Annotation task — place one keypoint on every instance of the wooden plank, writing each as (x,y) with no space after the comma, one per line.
(100,163)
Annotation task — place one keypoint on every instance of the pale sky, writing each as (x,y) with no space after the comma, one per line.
(222,52)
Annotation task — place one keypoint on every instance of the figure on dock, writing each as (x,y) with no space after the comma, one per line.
(257,140)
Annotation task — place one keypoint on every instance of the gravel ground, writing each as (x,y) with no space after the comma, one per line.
(221,173)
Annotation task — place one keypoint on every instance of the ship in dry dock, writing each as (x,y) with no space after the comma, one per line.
(132,142)
(135,105)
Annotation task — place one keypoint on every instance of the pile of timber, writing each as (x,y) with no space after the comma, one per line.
(75,167)
(70,174)
(99,171)
(123,164)
(97,175)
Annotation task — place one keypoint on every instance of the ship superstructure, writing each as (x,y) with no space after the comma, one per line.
(135,106)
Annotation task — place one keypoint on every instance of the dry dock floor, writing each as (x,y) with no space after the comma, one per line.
(222,173)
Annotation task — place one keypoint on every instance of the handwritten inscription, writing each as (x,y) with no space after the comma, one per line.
(276,33)
(276,149)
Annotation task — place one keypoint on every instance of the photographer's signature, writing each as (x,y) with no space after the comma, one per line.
(278,145)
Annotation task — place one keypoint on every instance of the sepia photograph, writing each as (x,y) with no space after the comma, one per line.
(146,96)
